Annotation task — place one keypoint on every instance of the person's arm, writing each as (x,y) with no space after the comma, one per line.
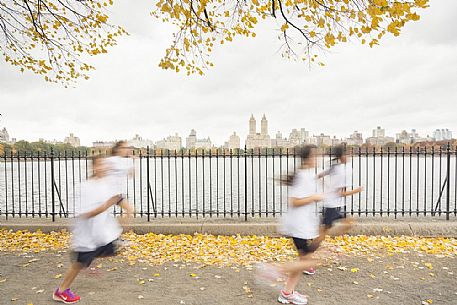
(102,208)
(127,208)
(343,192)
(297,202)
(323,174)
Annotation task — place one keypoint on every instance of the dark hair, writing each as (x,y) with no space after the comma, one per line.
(117,147)
(338,151)
(304,152)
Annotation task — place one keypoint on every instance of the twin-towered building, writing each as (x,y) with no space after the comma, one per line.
(255,139)
(263,140)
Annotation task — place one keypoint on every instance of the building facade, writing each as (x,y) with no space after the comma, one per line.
(355,139)
(138,142)
(233,142)
(103,144)
(379,132)
(4,135)
(192,142)
(379,138)
(258,140)
(72,140)
(442,134)
(170,143)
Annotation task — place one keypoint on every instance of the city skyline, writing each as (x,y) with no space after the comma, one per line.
(256,138)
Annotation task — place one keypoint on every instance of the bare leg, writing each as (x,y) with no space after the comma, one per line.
(295,270)
(70,276)
(344,226)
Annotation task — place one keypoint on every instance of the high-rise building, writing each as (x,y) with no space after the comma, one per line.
(193,142)
(252,125)
(233,142)
(258,140)
(442,134)
(264,126)
(138,142)
(295,138)
(379,138)
(72,140)
(4,136)
(355,139)
(279,141)
(304,135)
(379,132)
(323,140)
(170,143)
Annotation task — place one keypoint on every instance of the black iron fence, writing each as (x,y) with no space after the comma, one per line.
(233,183)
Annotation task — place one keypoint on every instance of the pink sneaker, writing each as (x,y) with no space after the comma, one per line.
(310,271)
(66,296)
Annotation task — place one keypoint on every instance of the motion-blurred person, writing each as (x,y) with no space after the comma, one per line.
(301,224)
(340,182)
(120,169)
(94,230)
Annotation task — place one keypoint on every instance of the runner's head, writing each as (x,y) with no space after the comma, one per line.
(307,155)
(339,153)
(121,149)
(99,167)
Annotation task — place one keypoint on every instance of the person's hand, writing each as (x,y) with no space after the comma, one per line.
(358,189)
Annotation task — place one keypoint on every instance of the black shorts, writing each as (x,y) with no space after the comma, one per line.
(331,215)
(86,258)
(305,246)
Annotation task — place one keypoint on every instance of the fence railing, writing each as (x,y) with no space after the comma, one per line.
(240,183)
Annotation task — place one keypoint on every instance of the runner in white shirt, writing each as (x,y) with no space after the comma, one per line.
(120,169)
(301,224)
(94,230)
(339,187)
(120,166)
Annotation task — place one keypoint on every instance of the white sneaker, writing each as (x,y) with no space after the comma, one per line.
(293,298)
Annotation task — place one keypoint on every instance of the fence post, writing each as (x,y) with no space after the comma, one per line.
(52,187)
(148,186)
(245,185)
(448,186)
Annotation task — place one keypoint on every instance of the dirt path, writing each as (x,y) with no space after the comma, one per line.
(407,279)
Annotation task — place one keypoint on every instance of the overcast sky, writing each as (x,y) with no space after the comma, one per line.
(407,82)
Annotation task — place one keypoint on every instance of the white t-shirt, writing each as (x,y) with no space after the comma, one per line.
(339,178)
(119,169)
(100,230)
(303,221)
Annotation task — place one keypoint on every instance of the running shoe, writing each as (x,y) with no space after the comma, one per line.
(292,298)
(65,296)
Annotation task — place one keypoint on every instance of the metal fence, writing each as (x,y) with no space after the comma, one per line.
(226,183)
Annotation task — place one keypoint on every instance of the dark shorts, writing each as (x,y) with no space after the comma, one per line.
(305,246)
(86,258)
(331,215)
